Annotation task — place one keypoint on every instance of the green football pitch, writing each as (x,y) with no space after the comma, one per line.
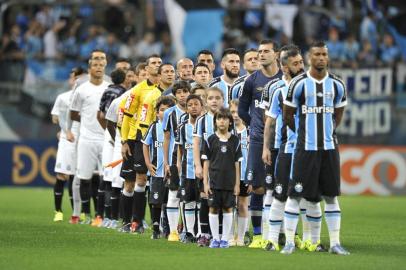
(373,230)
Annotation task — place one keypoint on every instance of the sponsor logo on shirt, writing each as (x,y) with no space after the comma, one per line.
(317,109)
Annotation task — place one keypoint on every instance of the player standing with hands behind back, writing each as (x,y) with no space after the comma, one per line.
(221,155)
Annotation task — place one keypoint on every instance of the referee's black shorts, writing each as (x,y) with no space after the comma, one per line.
(315,173)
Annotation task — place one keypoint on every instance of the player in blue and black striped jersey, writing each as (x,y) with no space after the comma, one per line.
(245,189)
(230,64)
(171,120)
(154,160)
(203,129)
(319,98)
(277,134)
(250,64)
(252,115)
(190,185)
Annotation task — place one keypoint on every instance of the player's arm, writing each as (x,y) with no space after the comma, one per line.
(237,162)
(76,106)
(340,102)
(196,157)
(101,118)
(270,120)
(179,158)
(245,102)
(237,179)
(147,142)
(291,102)
(130,108)
(206,165)
(111,128)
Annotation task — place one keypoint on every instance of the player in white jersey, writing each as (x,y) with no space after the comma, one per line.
(84,108)
(66,155)
(230,64)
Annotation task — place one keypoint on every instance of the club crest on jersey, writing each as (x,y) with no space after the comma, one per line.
(319,94)
(299,187)
(223,149)
(279,189)
(260,89)
(268,179)
(250,176)
(156,195)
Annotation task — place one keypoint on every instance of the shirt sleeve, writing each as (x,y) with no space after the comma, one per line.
(274,109)
(131,103)
(294,92)
(179,136)
(103,102)
(112,112)
(197,131)
(206,150)
(340,100)
(57,106)
(245,101)
(77,100)
(165,120)
(238,152)
(148,140)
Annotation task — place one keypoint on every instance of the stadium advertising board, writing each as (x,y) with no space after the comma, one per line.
(373,170)
(364,170)
(28,163)
(369,110)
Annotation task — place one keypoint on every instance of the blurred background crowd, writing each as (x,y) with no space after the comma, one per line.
(355,31)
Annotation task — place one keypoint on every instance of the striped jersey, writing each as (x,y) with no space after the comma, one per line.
(204,126)
(243,136)
(284,136)
(236,88)
(184,139)
(220,83)
(315,102)
(267,93)
(170,122)
(154,138)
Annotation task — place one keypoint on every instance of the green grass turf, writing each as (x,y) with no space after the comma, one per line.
(373,230)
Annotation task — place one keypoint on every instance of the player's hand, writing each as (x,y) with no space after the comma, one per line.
(58,135)
(125,151)
(266,156)
(237,189)
(69,136)
(249,189)
(207,189)
(198,171)
(151,169)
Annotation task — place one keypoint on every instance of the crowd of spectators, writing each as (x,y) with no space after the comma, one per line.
(59,31)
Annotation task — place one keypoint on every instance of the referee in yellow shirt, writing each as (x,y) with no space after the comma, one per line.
(139,113)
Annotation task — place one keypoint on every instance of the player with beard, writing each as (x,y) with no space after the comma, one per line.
(250,112)
(230,63)
(250,64)
(278,136)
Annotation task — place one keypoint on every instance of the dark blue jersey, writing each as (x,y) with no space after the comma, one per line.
(249,108)
(315,102)
(185,141)
(154,138)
